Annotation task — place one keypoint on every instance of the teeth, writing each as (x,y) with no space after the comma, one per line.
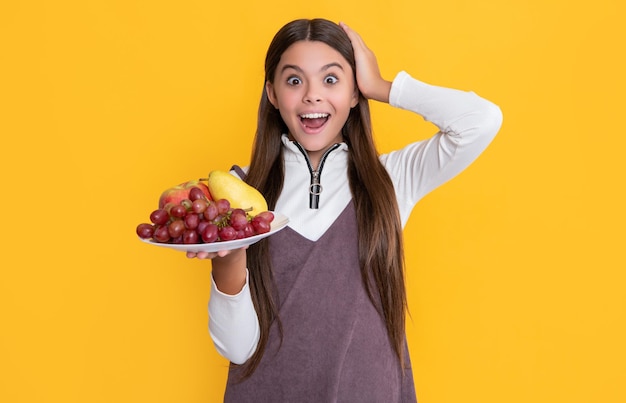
(314,115)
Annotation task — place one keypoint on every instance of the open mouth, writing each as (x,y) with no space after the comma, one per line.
(314,121)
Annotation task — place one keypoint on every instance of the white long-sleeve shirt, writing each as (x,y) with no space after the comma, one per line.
(467,123)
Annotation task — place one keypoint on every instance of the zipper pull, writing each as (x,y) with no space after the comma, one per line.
(314,190)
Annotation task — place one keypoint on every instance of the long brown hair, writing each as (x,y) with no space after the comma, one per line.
(380,230)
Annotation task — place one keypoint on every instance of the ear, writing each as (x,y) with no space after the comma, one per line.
(355,97)
(271,95)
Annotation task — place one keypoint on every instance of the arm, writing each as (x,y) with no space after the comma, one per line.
(466,122)
(233,323)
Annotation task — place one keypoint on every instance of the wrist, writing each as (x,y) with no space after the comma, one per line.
(229,272)
(380,91)
(383,91)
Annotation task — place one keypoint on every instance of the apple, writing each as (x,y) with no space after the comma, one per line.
(178,193)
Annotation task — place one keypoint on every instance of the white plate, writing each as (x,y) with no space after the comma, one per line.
(280,221)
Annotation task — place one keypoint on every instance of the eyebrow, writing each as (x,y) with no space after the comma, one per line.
(299,70)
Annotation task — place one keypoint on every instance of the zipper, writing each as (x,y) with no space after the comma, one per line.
(315,188)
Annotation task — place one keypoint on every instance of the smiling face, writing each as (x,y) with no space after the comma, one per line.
(313,89)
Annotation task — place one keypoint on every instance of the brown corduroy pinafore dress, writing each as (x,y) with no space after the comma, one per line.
(335,346)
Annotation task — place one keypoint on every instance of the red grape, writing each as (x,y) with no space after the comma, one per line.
(159,217)
(201,226)
(176,228)
(209,233)
(191,221)
(199,206)
(190,236)
(227,233)
(238,219)
(248,230)
(145,231)
(178,211)
(260,225)
(195,193)
(266,215)
(223,206)
(211,211)
(161,234)
(177,240)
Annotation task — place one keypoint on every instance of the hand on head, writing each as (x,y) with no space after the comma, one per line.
(369,80)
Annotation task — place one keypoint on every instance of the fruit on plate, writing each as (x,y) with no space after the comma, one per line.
(223,209)
(175,195)
(223,185)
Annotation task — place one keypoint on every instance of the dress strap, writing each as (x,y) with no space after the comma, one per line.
(238,171)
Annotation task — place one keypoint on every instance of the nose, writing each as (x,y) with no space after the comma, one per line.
(312,94)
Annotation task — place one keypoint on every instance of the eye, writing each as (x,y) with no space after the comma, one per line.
(330,80)
(294,81)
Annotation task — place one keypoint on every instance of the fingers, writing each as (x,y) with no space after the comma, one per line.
(202,255)
(355,38)
(222,253)
(212,255)
(361,51)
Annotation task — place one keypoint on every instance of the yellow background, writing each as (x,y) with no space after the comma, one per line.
(516,267)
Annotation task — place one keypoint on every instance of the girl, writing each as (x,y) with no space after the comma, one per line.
(316,312)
